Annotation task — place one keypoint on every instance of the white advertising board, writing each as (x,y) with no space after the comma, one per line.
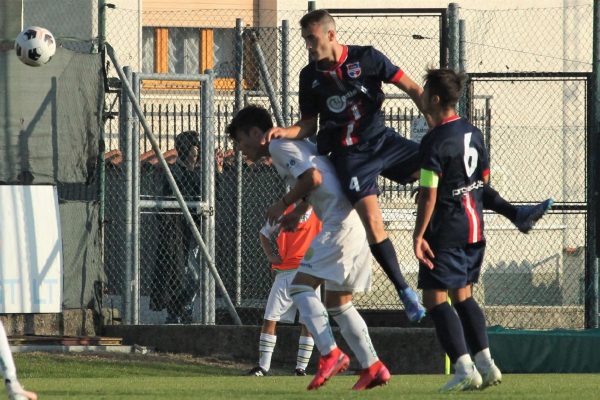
(31,263)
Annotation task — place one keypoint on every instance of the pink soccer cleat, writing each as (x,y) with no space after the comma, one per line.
(329,366)
(376,375)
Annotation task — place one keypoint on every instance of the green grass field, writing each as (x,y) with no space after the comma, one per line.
(123,377)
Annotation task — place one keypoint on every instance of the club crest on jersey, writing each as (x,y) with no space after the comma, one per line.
(353,70)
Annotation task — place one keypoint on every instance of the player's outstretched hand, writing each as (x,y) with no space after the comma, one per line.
(423,252)
(275,132)
(275,211)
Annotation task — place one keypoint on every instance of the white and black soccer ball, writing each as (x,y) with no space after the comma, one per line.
(35,46)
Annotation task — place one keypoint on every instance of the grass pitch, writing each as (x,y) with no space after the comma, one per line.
(150,377)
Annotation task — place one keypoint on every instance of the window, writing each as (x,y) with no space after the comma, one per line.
(190,51)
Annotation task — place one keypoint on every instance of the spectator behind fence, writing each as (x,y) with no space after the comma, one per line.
(175,279)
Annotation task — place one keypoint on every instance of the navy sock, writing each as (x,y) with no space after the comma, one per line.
(385,255)
(449,331)
(493,201)
(473,322)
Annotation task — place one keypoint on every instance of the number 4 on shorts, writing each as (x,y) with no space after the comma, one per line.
(354,184)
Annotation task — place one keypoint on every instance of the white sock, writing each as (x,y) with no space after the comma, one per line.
(305,348)
(464,365)
(265,349)
(483,359)
(314,315)
(354,330)
(7,365)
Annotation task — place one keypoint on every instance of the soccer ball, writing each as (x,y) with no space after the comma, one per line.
(35,46)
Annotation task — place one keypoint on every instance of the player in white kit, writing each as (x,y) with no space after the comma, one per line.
(13,388)
(339,256)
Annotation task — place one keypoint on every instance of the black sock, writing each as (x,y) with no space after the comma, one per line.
(385,255)
(493,201)
(449,331)
(473,322)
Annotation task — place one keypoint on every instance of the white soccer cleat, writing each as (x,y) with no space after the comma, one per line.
(16,392)
(491,376)
(461,382)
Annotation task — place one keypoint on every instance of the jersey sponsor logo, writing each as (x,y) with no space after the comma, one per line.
(338,104)
(466,189)
(353,70)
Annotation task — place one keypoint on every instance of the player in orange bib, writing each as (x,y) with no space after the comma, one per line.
(291,248)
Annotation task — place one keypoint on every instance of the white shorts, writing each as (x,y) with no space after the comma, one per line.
(340,256)
(280,306)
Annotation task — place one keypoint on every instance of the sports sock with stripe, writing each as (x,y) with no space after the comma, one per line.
(305,348)
(265,349)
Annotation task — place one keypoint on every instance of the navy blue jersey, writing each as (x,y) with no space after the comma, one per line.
(455,151)
(347,97)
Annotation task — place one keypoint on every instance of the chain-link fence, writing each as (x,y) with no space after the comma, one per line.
(535,127)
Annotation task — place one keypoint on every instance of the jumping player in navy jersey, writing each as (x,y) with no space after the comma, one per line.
(448,238)
(340,97)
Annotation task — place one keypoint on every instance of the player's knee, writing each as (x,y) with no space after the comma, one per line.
(298,289)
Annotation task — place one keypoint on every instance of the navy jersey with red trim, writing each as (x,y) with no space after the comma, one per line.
(455,151)
(347,97)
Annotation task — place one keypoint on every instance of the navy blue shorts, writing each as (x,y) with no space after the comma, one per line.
(453,268)
(388,155)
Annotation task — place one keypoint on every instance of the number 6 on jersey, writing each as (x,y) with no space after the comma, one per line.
(471,156)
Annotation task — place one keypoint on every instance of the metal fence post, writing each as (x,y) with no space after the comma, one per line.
(462,63)
(593,198)
(126,151)
(239,76)
(266,78)
(453,9)
(285,71)
(135,207)
(210,144)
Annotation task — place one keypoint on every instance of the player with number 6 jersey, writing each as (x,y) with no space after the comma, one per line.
(453,155)
(448,238)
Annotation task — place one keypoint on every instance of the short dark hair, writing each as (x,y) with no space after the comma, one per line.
(316,17)
(445,83)
(185,141)
(248,117)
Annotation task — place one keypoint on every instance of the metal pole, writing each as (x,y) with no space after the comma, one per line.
(135,210)
(593,198)
(453,9)
(285,71)
(101,25)
(126,151)
(173,185)
(210,144)
(312,5)
(462,63)
(238,161)
(266,77)
(204,100)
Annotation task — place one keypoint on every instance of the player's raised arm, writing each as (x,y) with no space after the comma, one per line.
(415,92)
(308,181)
(300,130)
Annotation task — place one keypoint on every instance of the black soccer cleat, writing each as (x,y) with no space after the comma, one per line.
(527,216)
(299,372)
(257,371)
